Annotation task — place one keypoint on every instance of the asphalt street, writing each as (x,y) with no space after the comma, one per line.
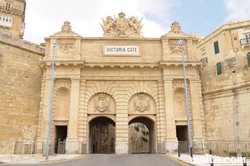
(112,160)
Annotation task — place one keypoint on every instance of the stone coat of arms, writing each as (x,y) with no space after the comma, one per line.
(101,104)
(122,27)
(142,103)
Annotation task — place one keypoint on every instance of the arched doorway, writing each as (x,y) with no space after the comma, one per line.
(141,135)
(102,135)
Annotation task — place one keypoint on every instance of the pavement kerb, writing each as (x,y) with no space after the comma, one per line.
(62,160)
(183,163)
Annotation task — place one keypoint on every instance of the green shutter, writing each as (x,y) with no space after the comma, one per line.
(216,47)
(218,67)
(248,58)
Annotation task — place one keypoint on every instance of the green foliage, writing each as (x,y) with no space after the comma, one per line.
(144,139)
(137,128)
(144,132)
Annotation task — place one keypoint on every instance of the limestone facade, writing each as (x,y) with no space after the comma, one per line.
(225,82)
(12,17)
(20,91)
(120,79)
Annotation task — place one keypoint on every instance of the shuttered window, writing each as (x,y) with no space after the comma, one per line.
(216,47)
(219,69)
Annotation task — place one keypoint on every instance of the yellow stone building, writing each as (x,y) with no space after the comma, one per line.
(12,17)
(120,79)
(225,85)
(104,87)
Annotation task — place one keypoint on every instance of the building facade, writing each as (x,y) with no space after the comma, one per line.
(20,88)
(12,17)
(123,93)
(120,79)
(225,86)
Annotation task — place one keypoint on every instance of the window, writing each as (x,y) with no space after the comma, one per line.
(248,38)
(7,6)
(216,47)
(219,69)
(248,58)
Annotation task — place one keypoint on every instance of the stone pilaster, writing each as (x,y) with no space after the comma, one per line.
(82,117)
(171,139)
(166,49)
(122,143)
(72,137)
(196,105)
(161,119)
(43,127)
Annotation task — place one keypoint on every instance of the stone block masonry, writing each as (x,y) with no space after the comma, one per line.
(20,86)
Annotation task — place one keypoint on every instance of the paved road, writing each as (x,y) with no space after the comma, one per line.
(114,160)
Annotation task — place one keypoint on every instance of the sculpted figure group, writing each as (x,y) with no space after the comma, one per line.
(122,27)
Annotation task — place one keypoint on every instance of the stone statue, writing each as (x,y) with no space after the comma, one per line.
(122,26)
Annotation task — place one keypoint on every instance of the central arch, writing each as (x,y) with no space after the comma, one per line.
(145,132)
(102,135)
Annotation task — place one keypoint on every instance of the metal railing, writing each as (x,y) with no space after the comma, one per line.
(223,148)
(245,41)
(220,148)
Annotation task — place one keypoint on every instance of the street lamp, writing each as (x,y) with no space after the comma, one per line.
(50,99)
(181,42)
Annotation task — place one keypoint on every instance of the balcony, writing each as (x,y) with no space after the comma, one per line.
(12,10)
(245,41)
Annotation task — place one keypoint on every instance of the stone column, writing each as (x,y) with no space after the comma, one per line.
(171,139)
(196,105)
(72,137)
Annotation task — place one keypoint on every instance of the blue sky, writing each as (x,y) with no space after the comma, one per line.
(44,18)
(202,17)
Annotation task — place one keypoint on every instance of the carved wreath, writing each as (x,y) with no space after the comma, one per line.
(142,103)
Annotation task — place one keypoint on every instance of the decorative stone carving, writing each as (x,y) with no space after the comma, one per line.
(101,104)
(122,27)
(66,48)
(142,103)
(175,50)
(175,31)
(175,28)
(66,30)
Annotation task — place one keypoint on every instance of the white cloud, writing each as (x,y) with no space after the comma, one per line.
(237,10)
(44,18)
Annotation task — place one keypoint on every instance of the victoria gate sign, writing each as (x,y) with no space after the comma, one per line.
(121,50)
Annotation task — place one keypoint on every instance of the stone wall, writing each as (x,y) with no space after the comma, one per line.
(20,86)
(226,100)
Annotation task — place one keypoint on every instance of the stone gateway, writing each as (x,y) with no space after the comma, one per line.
(104,85)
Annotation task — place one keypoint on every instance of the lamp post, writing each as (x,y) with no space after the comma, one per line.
(50,98)
(181,42)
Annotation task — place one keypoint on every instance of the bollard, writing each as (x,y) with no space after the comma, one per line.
(244,160)
(191,152)
(211,157)
(179,151)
